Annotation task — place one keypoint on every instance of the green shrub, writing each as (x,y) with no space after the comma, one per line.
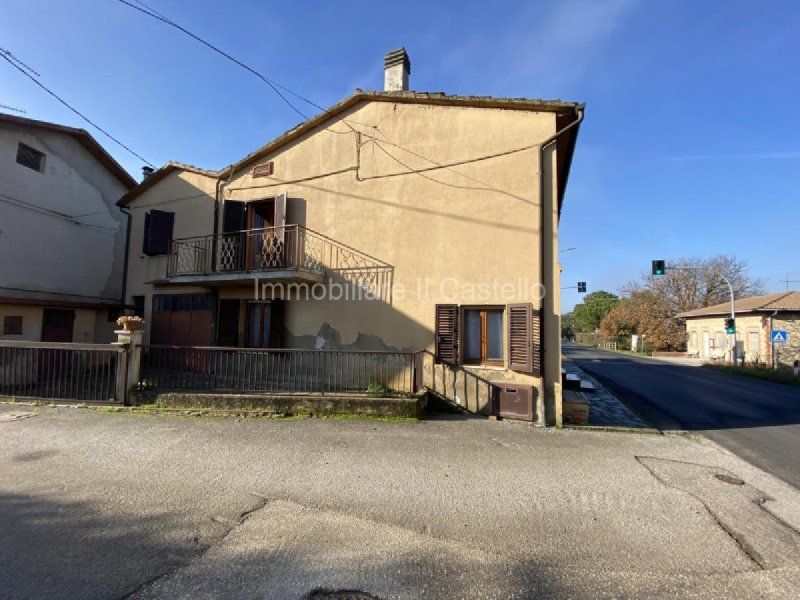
(377,390)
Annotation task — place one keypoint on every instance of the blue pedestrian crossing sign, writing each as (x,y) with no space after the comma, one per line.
(779,336)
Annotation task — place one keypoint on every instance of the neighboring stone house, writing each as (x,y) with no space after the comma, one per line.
(756,317)
(395,220)
(62,237)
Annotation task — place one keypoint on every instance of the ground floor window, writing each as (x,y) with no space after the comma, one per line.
(490,335)
(483,336)
(719,342)
(754,343)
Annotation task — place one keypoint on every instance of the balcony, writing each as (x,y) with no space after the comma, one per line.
(289,253)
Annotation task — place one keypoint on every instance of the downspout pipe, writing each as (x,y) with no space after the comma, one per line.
(217,203)
(126,211)
(579,114)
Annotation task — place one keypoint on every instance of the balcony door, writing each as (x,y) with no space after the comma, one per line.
(262,250)
(253,234)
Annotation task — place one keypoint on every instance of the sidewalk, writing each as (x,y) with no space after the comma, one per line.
(605,409)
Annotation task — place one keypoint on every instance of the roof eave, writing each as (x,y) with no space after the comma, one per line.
(437,99)
(85,139)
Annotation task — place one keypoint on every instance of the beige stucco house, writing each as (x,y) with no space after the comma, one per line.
(62,237)
(395,220)
(756,317)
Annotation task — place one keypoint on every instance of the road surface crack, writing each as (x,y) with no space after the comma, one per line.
(203,547)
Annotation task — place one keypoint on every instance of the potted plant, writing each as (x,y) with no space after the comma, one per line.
(130,323)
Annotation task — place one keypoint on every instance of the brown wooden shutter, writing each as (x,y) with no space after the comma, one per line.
(277,309)
(447,333)
(520,337)
(158,229)
(233,216)
(536,339)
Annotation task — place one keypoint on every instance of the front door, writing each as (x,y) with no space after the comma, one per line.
(265,324)
(228,330)
(706,344)
(258,324)
(57,325)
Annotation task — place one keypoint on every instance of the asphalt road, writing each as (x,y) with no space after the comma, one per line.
(758,421)
(123,506)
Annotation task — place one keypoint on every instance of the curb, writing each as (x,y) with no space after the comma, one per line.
(615,429)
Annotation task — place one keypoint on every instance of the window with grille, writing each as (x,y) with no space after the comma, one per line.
(30,157)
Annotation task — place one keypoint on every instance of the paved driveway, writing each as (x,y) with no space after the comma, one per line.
(97,505)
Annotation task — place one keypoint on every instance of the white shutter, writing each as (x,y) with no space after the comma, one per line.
(279,241)
(280,215)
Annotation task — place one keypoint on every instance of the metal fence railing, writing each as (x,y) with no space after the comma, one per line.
(52,371)
(189,368)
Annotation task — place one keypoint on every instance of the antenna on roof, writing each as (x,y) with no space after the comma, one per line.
(19,110)
(787,281)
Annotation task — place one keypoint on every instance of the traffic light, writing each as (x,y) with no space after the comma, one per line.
(659,267)
(730,325)
(581,287)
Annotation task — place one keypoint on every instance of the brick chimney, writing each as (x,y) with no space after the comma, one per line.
(396,69)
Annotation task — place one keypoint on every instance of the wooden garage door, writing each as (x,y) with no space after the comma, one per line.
(182,320)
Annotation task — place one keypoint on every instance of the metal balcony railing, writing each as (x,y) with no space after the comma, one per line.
(290,247)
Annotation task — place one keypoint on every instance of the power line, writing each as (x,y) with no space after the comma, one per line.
(148,11)
(145,9)
(22,70)
(274,85)
(19,62)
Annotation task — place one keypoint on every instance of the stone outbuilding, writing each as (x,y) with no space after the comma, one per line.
(756,318)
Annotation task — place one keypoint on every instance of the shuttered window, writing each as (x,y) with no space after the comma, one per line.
(446,344)
(483,336)
(158,229)
(524,339)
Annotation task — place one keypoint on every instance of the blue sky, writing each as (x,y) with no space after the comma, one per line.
(692,109)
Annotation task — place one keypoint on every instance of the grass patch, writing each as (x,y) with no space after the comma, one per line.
(758,373)
(243,413)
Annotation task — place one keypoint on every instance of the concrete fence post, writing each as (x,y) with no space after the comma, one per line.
(129,363)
